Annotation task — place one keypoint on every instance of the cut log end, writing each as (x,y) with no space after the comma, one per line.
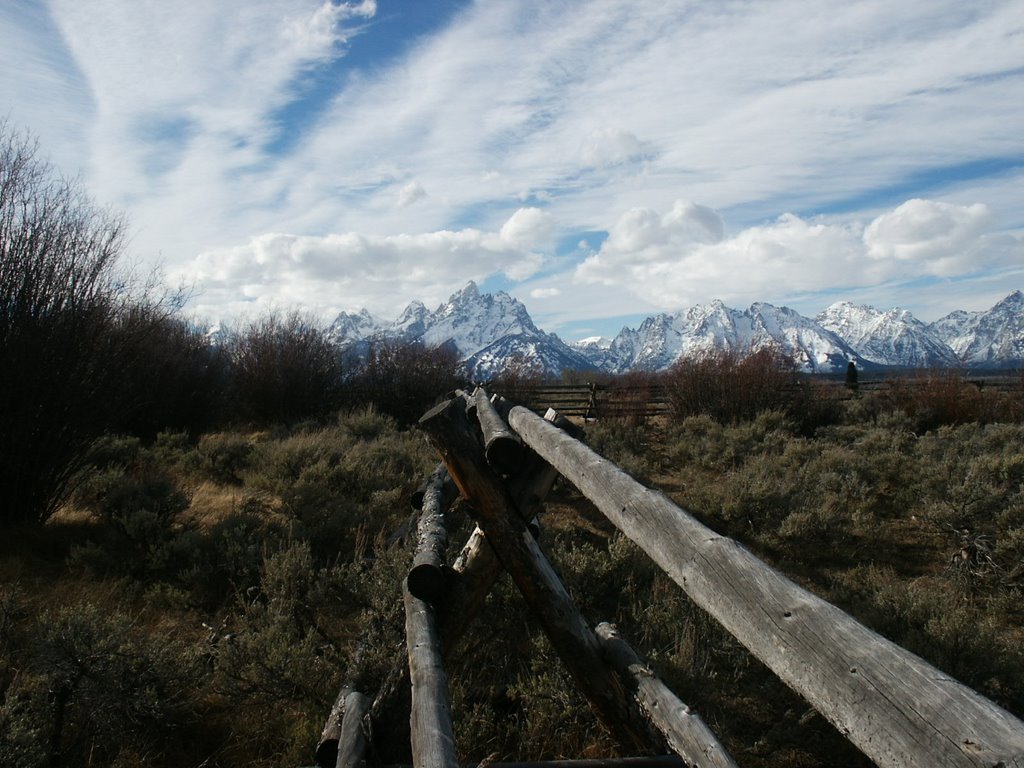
(429,583)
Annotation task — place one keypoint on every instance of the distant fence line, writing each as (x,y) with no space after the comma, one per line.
(590,400)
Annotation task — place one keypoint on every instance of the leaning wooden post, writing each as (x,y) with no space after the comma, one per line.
(684,730)
(430,722)
(572,638)
(477,569)
(896,708)
(429,575)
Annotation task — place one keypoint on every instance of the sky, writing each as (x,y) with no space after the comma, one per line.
(600,160)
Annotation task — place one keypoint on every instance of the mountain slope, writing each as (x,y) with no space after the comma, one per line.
(491,330)
(895,338)
(990,339)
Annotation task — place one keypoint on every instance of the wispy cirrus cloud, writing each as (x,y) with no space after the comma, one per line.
(198,120)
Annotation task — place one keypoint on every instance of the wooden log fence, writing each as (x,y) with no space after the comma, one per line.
(593,400)
(897,709)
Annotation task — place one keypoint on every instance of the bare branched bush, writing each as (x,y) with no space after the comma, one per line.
(519,377)
(284,369)
(403,380)
(730,386)
(72,322)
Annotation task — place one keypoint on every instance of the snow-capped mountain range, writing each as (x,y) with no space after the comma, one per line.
(489,330)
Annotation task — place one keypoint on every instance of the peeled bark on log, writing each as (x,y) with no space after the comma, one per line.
(430,576)
(518,552)
(684,730)
(502,446)
(430,722)
(896,708)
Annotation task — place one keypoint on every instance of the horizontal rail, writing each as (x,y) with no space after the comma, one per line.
(896,708)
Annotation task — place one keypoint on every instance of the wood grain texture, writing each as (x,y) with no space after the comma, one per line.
(685,731)
(520,555)
(352,736)
(502,446)
(896,708)
(430,721)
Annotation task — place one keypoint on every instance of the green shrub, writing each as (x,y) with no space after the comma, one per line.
(93,688)
(223,457)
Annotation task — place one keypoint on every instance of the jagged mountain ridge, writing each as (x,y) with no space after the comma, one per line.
(489,330)
(992,339)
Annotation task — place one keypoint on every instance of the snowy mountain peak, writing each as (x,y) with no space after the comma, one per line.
(490,329)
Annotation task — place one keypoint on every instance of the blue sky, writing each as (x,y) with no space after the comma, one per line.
(602,161)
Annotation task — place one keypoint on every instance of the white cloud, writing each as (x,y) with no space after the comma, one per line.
(168,110)
(545,293)
(351,270)
(528,227)
(606,147)
(929,231)
(410,193)
(682,258)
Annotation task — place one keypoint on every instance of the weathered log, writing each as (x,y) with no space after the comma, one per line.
(659,761)
(684,730)
(478,569)
(430,722)
(518,552)
(502,446)
(351,747)
(416,497)
(896,708)
(470,403)
(429,575)
(327,749)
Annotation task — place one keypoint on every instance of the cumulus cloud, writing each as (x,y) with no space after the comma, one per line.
(528,227)
(684,257)
(928,231)
(354,270)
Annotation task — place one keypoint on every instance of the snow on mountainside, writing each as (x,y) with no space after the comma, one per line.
(489,330)
(348,327)
(990,339)
(709,328)
(893,338)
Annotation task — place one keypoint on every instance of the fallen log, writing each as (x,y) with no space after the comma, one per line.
(572,638)
(684,731)
(327,749)
(502,446)
(897,709)
(352,742)
(430,721)
(429,575)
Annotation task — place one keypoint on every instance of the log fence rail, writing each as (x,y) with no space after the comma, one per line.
(897,709)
